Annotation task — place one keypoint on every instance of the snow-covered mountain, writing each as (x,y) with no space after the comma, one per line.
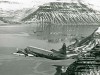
(61,13)
(19,14)
(12,16)
(87,43)
(64,13)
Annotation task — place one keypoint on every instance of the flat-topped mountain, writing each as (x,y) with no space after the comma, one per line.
(63,13)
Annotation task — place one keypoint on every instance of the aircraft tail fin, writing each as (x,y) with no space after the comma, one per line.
(63,49)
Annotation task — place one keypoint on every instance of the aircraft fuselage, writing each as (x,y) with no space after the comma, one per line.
(44,53)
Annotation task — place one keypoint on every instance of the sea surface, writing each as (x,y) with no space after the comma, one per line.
(23,35)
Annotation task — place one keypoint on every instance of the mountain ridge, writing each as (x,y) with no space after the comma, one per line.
(63,13)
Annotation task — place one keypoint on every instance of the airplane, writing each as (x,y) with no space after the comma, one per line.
(39,52)
(50,54)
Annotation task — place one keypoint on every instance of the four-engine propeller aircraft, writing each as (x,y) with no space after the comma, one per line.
(50,54)
(39,52)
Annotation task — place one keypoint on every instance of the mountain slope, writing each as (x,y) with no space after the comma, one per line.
(87,43)
(14,16)
(64,13)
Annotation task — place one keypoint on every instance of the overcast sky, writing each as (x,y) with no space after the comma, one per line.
(19,4)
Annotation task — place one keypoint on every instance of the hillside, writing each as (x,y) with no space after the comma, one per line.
(64,13)
(14,16)
(86,43)
(58,13)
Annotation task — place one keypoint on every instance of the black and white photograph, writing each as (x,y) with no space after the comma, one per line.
(49,37)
